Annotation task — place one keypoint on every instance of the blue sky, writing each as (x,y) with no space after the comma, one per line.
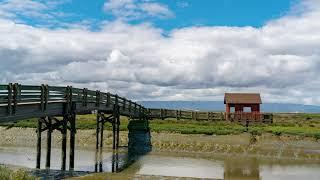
(185,13)
(165,50)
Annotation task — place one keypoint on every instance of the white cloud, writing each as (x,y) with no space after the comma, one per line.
(156,9)
(12,8)
(281,59)
(136,9)
(43,12)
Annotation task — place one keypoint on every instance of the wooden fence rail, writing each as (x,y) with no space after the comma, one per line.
(183,114)
(209,116)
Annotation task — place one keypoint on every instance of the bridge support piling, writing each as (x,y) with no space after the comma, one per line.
(39,143)
(49,124)
(101,120)
(96,161)
(113,135)
(100,161)
(118,130)
(116,127)
(101,134)
(97,130)
(49,131)
(72,141)
(64,143)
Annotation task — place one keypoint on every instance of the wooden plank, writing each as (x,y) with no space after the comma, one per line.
(30,87)
(3,87)
(57,89)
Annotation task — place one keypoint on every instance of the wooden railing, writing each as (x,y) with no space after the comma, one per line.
(249,116)
(184,114)
(25,101)
(210,116)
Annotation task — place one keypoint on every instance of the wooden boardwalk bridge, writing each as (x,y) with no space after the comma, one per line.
(56,109)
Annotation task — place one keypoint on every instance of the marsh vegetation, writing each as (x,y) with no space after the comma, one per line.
(306,125)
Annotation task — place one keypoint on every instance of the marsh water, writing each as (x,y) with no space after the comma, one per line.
(171,156)
(163,164)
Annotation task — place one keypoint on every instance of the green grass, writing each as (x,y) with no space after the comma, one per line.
(9,174)
(307,125)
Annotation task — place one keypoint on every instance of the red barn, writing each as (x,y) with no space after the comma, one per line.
(246,106)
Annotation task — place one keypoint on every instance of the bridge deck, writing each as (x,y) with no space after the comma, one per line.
(18,102)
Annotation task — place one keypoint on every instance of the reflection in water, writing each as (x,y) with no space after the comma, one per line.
(86,161)
(238,169)
(56,174)
(139,144)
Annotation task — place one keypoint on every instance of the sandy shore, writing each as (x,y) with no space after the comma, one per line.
(266,145)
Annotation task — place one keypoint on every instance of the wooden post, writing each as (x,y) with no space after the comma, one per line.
(135,108)
(113,162)
(100,161)
(101,135)
(96,161)
(97,131)
(72,141)
(9,110)
(108,99)
(15,97)
(115,122)
(130,107)
(118,127)
(124,104)
(39,143)
(49,131)
(114,127)
(161,114)
(64,144)
(84,97)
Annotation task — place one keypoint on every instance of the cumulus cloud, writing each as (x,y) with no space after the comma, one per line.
(137,9)
(281,59)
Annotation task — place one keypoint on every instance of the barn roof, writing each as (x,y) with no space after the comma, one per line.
(242,98)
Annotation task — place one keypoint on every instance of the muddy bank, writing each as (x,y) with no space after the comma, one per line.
(266,145)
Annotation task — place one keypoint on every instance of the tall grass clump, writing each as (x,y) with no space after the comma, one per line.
(9,174)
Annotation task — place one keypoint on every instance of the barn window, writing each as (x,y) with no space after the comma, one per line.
(247,109)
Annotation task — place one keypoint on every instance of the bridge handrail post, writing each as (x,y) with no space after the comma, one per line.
(84,97)
(16,96)
(44,97)
(130,104)
(116,100)
(108,99)
(124,104)
(140,112)
(135,108)
(9,110)
(98,96)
